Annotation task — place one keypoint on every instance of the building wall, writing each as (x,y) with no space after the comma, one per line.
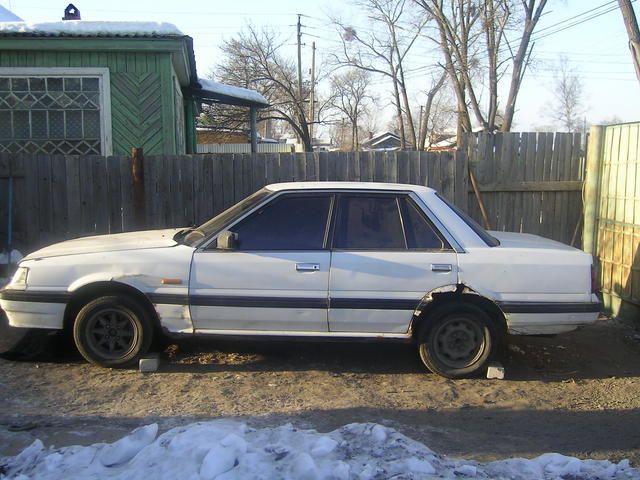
(142,94)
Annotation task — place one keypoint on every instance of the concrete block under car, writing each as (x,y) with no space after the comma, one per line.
(149,364)
(495,370)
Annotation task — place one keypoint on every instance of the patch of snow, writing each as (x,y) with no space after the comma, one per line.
(225,449)
(128,447)
(92,28)
(231,91)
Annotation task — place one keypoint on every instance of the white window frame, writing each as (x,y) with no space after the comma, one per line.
(104,84)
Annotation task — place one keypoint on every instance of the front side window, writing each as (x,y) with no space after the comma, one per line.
(291,222)
(369,223)
(51,113)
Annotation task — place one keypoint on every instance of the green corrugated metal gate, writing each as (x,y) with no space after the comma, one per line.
(612,214)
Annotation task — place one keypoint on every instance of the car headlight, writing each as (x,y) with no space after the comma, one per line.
(20,277)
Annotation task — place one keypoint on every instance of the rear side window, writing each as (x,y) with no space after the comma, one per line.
(287,223)
(369,222)
(419,231)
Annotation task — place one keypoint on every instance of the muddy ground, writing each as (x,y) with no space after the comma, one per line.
(577,394)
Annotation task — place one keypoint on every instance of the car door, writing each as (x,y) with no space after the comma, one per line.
(275,278)
(386,255)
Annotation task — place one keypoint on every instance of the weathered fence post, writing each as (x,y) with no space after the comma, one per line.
(137,172)
(592,187)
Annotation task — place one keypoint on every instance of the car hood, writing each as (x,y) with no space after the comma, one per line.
(109,243)
(527,240)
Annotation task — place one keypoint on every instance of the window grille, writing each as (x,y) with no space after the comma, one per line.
(50,114)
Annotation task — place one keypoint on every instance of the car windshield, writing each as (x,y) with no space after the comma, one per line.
(195,235)
(481,232)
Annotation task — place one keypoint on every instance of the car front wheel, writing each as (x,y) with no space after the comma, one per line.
(112,331)
(457,341)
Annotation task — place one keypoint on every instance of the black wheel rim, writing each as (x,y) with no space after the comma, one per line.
(458,342)
(111,333)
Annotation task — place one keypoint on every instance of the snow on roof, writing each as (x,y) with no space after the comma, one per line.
(7,15)
(232,450)
(83,28)
(243,94)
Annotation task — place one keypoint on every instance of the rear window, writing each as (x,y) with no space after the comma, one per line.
(475,226)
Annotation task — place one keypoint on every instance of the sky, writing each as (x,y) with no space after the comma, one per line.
(596,48)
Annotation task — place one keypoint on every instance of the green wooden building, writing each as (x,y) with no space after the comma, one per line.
(78,87)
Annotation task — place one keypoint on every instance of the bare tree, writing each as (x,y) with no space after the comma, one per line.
(430,112)
(350,98)
(253,59)
(567,106)
(631,23)
(472,37)
(383,49)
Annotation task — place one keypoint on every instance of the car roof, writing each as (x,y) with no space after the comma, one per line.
(277,187)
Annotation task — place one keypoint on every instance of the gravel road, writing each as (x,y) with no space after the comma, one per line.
(575,394)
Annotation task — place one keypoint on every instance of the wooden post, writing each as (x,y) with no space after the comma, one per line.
(254,129)
(592,187)
(137,173)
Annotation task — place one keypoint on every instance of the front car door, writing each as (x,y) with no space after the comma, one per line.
(386,255)
(276,277)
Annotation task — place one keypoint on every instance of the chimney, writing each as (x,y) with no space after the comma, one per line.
(71,13)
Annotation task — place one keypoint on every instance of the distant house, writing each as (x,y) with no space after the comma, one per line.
(384,141)
(80,87)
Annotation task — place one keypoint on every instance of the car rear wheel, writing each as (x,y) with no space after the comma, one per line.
(457,341)
(112,331)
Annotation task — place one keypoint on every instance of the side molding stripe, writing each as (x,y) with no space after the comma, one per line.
(539,307)
(306,303)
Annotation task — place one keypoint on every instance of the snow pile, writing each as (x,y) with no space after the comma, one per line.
(231,91)
(228,450)
(92,28)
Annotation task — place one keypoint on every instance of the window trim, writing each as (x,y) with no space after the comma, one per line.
(203,245)
(104,84)
(210,245)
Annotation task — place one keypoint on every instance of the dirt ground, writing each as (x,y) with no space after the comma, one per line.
(576,394)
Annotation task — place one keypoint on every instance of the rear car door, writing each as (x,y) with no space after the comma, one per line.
(276,277)
(386,255)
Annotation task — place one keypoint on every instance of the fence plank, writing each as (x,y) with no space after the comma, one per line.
(60,214)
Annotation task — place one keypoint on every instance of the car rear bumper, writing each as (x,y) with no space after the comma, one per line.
(532,318)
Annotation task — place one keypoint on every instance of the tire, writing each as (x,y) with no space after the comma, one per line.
(112,331)
(457,341)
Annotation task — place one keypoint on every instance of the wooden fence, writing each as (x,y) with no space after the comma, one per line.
(528,182)
(612,221)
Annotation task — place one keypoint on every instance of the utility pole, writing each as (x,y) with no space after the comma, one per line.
(419,146)
(300,59)
(633,32)
(312,98)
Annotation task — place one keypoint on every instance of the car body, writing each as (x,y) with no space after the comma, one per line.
(311,259)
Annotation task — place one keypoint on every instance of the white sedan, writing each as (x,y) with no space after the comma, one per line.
(330,259)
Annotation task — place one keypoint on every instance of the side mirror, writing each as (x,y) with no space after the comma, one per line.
(227,240)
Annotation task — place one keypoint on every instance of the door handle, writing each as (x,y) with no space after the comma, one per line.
(307,267)
(441,267)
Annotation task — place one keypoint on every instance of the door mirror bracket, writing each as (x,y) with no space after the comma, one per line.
(227,240)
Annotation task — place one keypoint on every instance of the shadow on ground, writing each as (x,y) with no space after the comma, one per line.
(608,349)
